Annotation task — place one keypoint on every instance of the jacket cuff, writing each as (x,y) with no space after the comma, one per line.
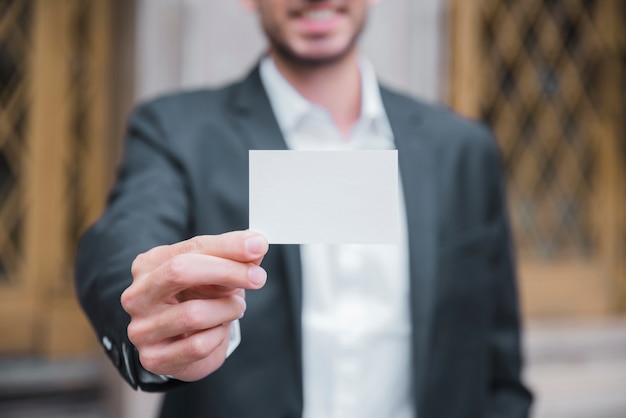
(125,358)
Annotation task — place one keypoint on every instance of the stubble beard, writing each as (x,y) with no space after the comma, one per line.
(290,57)
(285,53)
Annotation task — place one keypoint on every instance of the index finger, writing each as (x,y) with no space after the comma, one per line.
(191,272)
(245,246)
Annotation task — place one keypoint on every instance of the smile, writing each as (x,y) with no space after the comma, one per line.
(320,14)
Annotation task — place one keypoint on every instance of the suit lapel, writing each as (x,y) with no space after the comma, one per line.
(417,171)
(260,130)
(255,116)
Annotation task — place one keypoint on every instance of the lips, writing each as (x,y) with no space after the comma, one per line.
(317,10)
(318,18)
(318,14)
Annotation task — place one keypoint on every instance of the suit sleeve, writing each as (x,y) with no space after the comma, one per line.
(509,398)
(148,206)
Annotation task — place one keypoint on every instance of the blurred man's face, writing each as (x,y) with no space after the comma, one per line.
(312,32)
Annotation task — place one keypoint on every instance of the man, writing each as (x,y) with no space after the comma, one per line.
(427,328)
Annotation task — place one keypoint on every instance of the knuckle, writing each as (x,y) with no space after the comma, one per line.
(193,245)
(137,267)
(150,360)
(197,347)
(127,300)
(191,316)
(138,332)
(236,271)
(202,344)
(133,333)
(177,268)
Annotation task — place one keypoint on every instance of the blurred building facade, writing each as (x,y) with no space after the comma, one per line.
(548,76)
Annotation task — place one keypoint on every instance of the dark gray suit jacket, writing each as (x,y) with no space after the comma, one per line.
(185,173)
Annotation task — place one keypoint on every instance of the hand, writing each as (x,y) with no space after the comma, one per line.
(184,297)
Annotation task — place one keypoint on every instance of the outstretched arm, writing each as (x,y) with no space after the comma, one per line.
(170,286)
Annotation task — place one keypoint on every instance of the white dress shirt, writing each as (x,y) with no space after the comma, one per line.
(356,327)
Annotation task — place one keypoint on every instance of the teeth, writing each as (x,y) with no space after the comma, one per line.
(319,14)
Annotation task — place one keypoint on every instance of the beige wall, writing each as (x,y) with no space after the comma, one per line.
(189,43)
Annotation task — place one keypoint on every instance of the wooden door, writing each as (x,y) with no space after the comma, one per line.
(54,125)
(548,77)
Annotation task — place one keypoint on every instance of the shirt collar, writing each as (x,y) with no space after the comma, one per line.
(372,107)
(290,107)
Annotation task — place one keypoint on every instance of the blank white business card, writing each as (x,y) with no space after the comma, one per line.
(330,197)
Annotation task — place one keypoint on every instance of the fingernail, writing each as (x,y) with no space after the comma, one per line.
(242,302)
(257,275)
(256,245)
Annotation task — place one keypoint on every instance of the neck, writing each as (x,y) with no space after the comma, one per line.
(334,86)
